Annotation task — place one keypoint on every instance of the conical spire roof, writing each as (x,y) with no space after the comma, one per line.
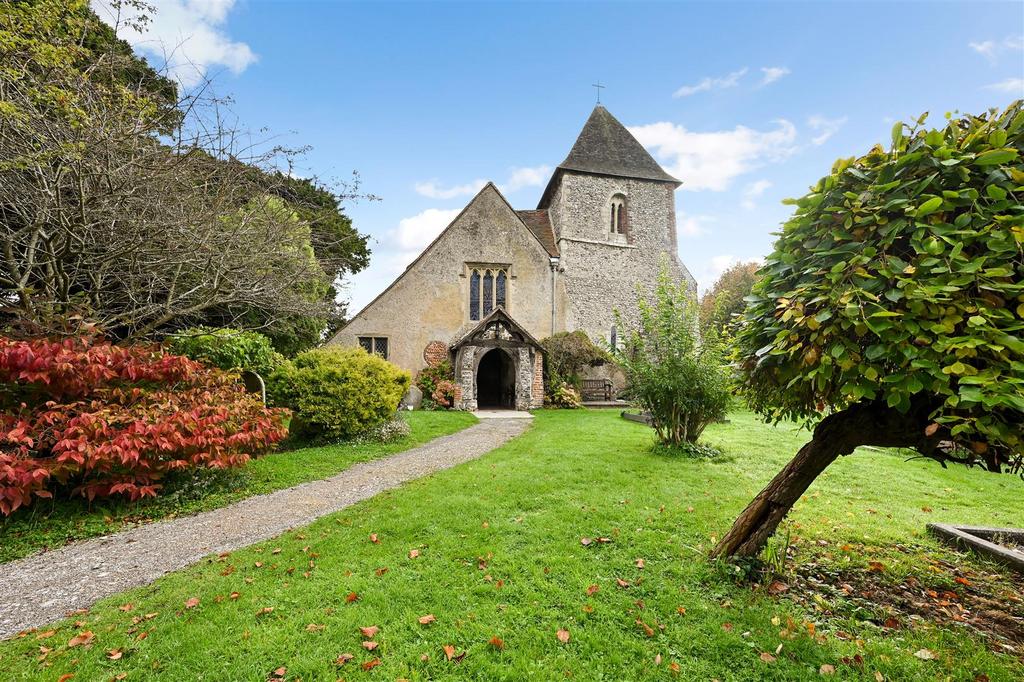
(605,147)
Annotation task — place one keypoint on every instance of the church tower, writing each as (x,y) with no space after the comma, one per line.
(612,210)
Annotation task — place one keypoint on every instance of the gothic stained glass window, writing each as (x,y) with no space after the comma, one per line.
(474,295)
(488,293)
(499,289)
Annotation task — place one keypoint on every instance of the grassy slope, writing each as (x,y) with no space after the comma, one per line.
(47,525)
(522,510)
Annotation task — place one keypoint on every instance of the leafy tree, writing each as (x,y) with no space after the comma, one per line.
(678,378)
(567,353)
(890,312)
(126,209)
(227,349)
(724,301)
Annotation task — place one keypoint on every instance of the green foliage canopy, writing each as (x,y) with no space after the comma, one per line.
(899,281)
(228,349)
(726,299)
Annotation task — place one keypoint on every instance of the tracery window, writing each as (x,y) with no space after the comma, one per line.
(488,289)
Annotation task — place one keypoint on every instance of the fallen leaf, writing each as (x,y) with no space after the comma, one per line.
(381,571)
(891,623)
(265,610)
(592,590)
(142,636)
(370,645)
(65,677)
(674,667)
(424,657)
(963,581)
(342,659)
(648,630)
(876,566)
(563,636)
(370,665)
(373,538)
(621,583)
(369,632)
(639,563)
(767,657)
(449,651)
(657,660)
(235,595)
(126,607)
(931,429)
(83,638)
(827,669)
(927,510)
(427,619)
(879,677)
(46,635)
(314,627)
(115,654)
(681,610)
(777,587)
(413,553)
(585,541)
(192,603)
(280,672)
(351,597)
(727,627)
(926,654)
(496,642)
(277,550)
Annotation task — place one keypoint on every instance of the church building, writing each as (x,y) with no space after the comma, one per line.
(497,279)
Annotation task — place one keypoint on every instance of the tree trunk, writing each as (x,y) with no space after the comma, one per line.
(837,434)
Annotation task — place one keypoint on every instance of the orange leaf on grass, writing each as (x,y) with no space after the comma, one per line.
(342,659)
(876,566)
(235,595)
(351,597)
(413,553)
(674,667)
(563,636)
(496,642)
(65,677)
(265,610)
(370,665)
(370,645)
(621,583)
(373,539)
(115,654)
(449,651)
(83,638)
(648,630)
(192,603)
(427,619)
(592,590)
(370,631)
(639,563)
(767,657)
(314,627)
(126,607)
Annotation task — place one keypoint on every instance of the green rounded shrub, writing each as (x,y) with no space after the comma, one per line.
(226,348)
(337,393)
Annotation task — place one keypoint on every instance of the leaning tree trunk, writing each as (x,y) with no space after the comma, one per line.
(838,434)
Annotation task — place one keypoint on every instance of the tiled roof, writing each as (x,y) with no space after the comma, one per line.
(539,223)
(606,147)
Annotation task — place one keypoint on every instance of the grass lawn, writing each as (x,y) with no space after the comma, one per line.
(47,525)
(492,551)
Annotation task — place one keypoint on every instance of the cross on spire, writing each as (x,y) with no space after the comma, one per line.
(599,88)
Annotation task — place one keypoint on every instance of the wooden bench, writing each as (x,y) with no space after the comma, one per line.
(597,389)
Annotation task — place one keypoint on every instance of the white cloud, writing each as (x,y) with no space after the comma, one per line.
(526,177)
(691,226)
(709,83)
(518,179)
(432,189)
(753,191)
(416,232)
(711,160)
(1014,86)
(773,73)
(186,36)
(825,127)
(992,49)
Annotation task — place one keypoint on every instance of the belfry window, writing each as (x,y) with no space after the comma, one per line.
(618,215)
(488,289)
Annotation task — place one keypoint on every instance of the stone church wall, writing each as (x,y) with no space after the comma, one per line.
(430,301)
(602,270)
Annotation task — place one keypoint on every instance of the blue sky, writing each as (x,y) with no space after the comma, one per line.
(747,103)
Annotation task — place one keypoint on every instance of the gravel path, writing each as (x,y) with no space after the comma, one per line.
(42,588)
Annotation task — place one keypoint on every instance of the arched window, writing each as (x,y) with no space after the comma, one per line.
(618,214)
(488,293)
(499,289)
(488,289)
(474,295)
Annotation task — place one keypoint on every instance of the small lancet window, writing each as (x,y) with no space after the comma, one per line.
(499,290)
(474,295)
(488,293)
(618,214)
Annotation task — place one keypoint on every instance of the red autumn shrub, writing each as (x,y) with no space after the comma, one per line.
(97,420)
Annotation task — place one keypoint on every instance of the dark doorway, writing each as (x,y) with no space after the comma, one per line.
(495,381)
